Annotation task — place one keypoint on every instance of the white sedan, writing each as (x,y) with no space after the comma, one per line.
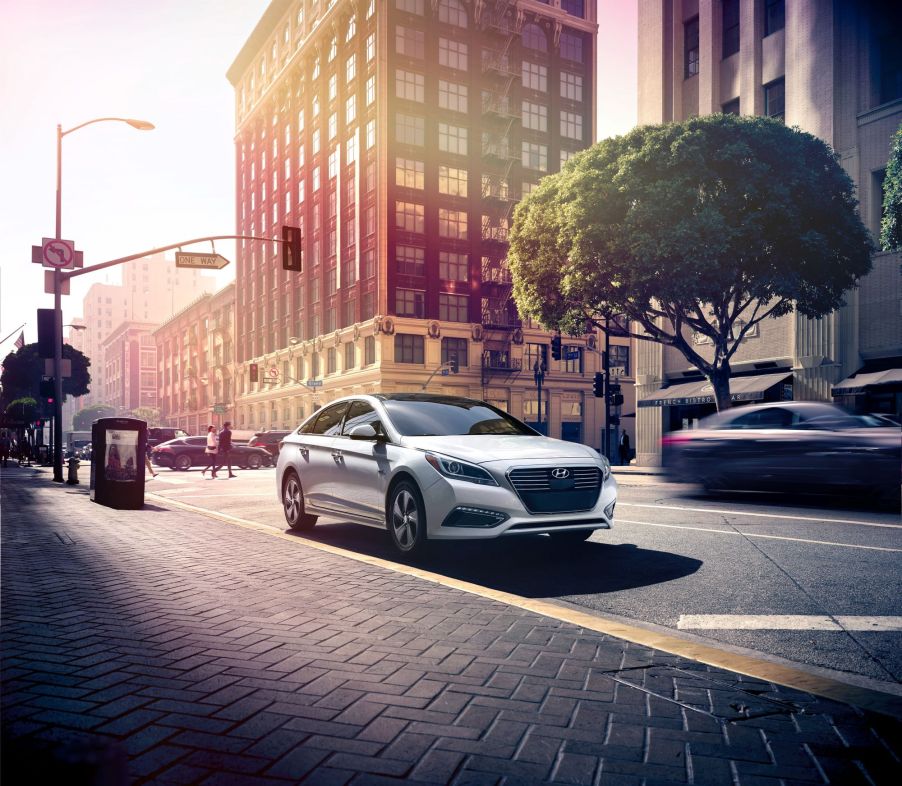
(430,467)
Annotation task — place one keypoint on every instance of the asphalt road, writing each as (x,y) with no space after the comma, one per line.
(786,568)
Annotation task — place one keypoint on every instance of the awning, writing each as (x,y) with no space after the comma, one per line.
(702,392)
(858,383)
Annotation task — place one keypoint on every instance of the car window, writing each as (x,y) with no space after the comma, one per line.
(772,417)
(450,416)
(329,421)
(361,413)
(196,440)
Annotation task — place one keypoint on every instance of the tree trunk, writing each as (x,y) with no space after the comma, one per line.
(720,381)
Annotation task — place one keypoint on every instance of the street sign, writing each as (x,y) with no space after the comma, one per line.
(48,283)
(65,367)
(314,383)
(57,253)
(219,409)
(572,354)
(37,254)
(617,371)
(198,260)
(273,372)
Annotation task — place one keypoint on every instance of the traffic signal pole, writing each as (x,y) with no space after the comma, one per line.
(606,445)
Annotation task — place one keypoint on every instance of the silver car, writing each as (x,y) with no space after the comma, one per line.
(429,467)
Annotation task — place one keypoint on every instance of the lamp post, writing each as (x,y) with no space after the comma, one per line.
(141,125)
(538,372)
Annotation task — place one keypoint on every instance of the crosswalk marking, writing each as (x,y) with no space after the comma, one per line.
(788,622)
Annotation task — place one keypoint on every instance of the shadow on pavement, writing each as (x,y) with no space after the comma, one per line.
(530,565)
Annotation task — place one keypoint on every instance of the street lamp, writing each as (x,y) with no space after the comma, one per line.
(141,125)
(538,373)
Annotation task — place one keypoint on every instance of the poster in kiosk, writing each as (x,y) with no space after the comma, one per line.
(117,463)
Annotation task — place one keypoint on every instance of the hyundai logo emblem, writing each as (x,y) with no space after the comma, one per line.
(560,473)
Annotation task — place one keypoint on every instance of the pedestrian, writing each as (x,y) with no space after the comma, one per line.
(210,451)
(224,450)
(148,464)
(4,448)
(625,455)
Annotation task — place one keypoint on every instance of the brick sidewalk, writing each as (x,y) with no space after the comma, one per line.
(180,649)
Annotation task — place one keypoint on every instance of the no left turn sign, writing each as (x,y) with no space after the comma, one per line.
(58,253)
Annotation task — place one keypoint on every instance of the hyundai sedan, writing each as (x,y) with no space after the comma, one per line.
(430,467)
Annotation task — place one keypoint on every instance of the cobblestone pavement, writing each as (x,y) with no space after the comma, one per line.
(159,646)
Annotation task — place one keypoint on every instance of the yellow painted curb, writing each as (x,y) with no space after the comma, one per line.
(759,668)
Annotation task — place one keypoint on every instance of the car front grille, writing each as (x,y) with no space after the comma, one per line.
(541,492)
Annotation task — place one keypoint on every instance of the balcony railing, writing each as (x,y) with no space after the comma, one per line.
(500,360)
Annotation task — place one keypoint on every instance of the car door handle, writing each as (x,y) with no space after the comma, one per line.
(336,454)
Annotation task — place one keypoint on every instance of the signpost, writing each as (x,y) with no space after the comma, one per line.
(219,409)
(314,383)
(197,260)
(572,354)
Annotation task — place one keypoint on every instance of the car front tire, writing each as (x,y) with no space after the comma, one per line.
(406,520)
(183,463)
(293,504)
(254,462)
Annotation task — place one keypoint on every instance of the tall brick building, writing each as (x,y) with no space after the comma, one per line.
(832,68)
(399,135)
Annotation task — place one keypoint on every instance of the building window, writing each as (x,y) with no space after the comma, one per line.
(451,139)
(452,95)
(350,109)
(535,353)
(408,348)
(571,86)
(534,76)
(889,55)
(453,308)
(774,16)
(410,303)
(574,7)
(350,356)
(775,99)
(370,134)
(452,54)
(690,48)
(534,116)
(331,360)
(452,266)
(369,350)
(572,125)
(452,223)
(620,358)
(455,349)
(452,13)
(410,260)
(730,22)
(534,156)
(410,85)
(533,37)
(452,181)
(409,42)
(409,216)
(410,129)
(409,173)
(411,6)
(370,47)
(731,107)
(333,87)
(572,46)
(574,365)
(370,89)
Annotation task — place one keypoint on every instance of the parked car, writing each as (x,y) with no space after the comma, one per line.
(429,467)
(799,446)
(156,435)
(186,452)
(268,440)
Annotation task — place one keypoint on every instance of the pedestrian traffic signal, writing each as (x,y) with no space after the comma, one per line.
(556,347)
(46,328)
(254,372)
(46,388)
(291,249)
(598,385)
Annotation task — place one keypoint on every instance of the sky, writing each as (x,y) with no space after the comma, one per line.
(126,191)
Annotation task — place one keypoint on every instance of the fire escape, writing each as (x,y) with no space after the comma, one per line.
(500,21)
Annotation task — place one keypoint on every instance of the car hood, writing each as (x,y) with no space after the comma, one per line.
(485,448)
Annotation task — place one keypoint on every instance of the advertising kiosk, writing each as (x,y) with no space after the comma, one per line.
(117,463)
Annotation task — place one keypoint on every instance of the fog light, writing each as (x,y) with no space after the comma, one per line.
(609,510)
(465,516)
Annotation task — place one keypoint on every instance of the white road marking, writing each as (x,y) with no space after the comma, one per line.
(275,499)
(762,515)
(758,535)
(787,622)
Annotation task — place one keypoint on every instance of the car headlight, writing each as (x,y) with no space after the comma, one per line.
(605,469)
(460,470)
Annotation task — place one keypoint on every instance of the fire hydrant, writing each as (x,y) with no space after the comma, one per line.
(72,480)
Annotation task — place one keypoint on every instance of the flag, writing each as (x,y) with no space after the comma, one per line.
(20,341)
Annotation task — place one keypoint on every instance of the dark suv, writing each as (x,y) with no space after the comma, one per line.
(268,440)
(159,434)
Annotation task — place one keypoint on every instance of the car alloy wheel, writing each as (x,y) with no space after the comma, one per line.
(407,519)
(293,504)
(254,462)
(183,463)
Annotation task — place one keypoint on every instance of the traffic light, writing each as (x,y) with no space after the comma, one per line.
(616,395)
(556,347)
(455,366)
(291,249)
(46,388)
(598,385)
(46,326)
(254,372)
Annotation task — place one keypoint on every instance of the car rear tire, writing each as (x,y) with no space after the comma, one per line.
(571,538)
(254,462)
(183,463)
(293,504)
(406,520)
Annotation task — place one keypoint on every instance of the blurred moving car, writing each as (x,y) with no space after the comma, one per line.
(800,446)
(429,467)
(268,440)
(76,447)
(156,435)
(186,452)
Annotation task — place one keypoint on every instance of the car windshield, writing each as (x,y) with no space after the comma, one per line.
(451,416)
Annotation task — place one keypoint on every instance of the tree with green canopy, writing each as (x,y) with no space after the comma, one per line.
(891,224)
(82,420)
(24,369)
(707,226)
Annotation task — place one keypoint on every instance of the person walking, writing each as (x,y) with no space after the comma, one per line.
(4,447)
(625,456)
(224,453)
(147,463)
(210,451)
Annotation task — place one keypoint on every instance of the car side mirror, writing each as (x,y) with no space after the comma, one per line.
(364,432)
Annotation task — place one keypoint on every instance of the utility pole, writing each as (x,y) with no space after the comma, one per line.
(606,360)
(538,371)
